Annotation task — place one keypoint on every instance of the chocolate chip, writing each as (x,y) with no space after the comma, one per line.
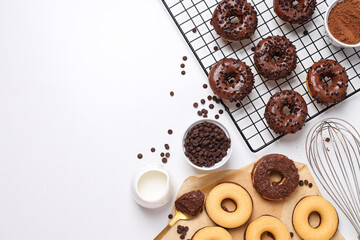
(216,48)
(170,216)
(152,149)
(182,65)
(170,131)
(327,139)
(217,116)
(205,86)
(301,183)
(291,234)
(167,155)
(211,106)
(305,32)
(306,182)
(162,154)
(195,104)
(209,98)
(199,113)
(164,160)
(172,93)
(310,185)
(167,147)
(238,105)
(194,30)
(253,49)
(221,111)
(184,58)
(183,72)
(202,101)
(139,156)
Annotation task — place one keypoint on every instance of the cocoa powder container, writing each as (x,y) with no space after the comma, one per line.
(329,36)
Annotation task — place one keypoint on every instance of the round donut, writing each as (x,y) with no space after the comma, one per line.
(234,192)
(224,24)
(260,176)
(329,219)
(281,122)
(320,91)
(290,13)
(275,57)
(231,79)
(269,224)
(212,233)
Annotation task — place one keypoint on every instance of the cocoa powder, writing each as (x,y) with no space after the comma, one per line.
(344,21)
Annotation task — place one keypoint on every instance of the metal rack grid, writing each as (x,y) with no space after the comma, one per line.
(248,115)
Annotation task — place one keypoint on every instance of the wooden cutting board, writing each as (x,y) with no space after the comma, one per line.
(281,209)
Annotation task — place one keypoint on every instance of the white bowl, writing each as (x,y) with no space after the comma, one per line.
(328,34)
(217,165)
(163,197)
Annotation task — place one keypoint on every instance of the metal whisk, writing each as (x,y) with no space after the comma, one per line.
(333,151)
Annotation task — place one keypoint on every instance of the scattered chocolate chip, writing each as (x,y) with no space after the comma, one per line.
(195,104)
(183,72)
(327,139)
(170,216)
(152,149)
(202,101)
(139,156)
(209,98)
(194,30)
(184,58)
(172,93)
(199,113)
(164,160)
(238,105)
(170,131)
(167,155)
(182,65)
(305,32)
(167,147)
(205,86)
(253,49)
(291,234)
(205,116)
(310,185)
(217,116)
(216,48)
(221,111)
(301,183)
(306,182)
(211,106)
(162,154)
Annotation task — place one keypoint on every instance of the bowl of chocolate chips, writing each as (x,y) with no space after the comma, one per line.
(207,145)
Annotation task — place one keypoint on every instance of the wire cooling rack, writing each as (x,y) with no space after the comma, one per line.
(192,17)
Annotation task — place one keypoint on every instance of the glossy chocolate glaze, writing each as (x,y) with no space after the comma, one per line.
(320,91)
(241,75)
(300,13)
(247,16)
(260,176)
(277,120)
(279,47)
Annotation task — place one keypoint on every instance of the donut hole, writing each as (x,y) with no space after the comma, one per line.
(276,178)
(286,110)
(267,236)
(275,58)
(314,219)
(295,3)
(327,80)
(235,20)
(230,78)
(228,205)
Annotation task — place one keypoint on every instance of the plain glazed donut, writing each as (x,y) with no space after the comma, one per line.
(300,13)
(283,123)
(231,79)
(260,176)
(212,233)
(320,91)
(328,215)
(232,31)
(236,193)
(275,57)
(266,224)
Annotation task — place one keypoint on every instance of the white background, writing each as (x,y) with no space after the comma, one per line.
(84,87)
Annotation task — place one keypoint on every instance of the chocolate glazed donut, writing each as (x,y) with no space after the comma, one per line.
(320,91)
(231,79)
(226,12)
(275,57)
(300,13)
(283,123)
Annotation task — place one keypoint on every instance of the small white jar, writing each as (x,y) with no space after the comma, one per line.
(330,38)
(151,186)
